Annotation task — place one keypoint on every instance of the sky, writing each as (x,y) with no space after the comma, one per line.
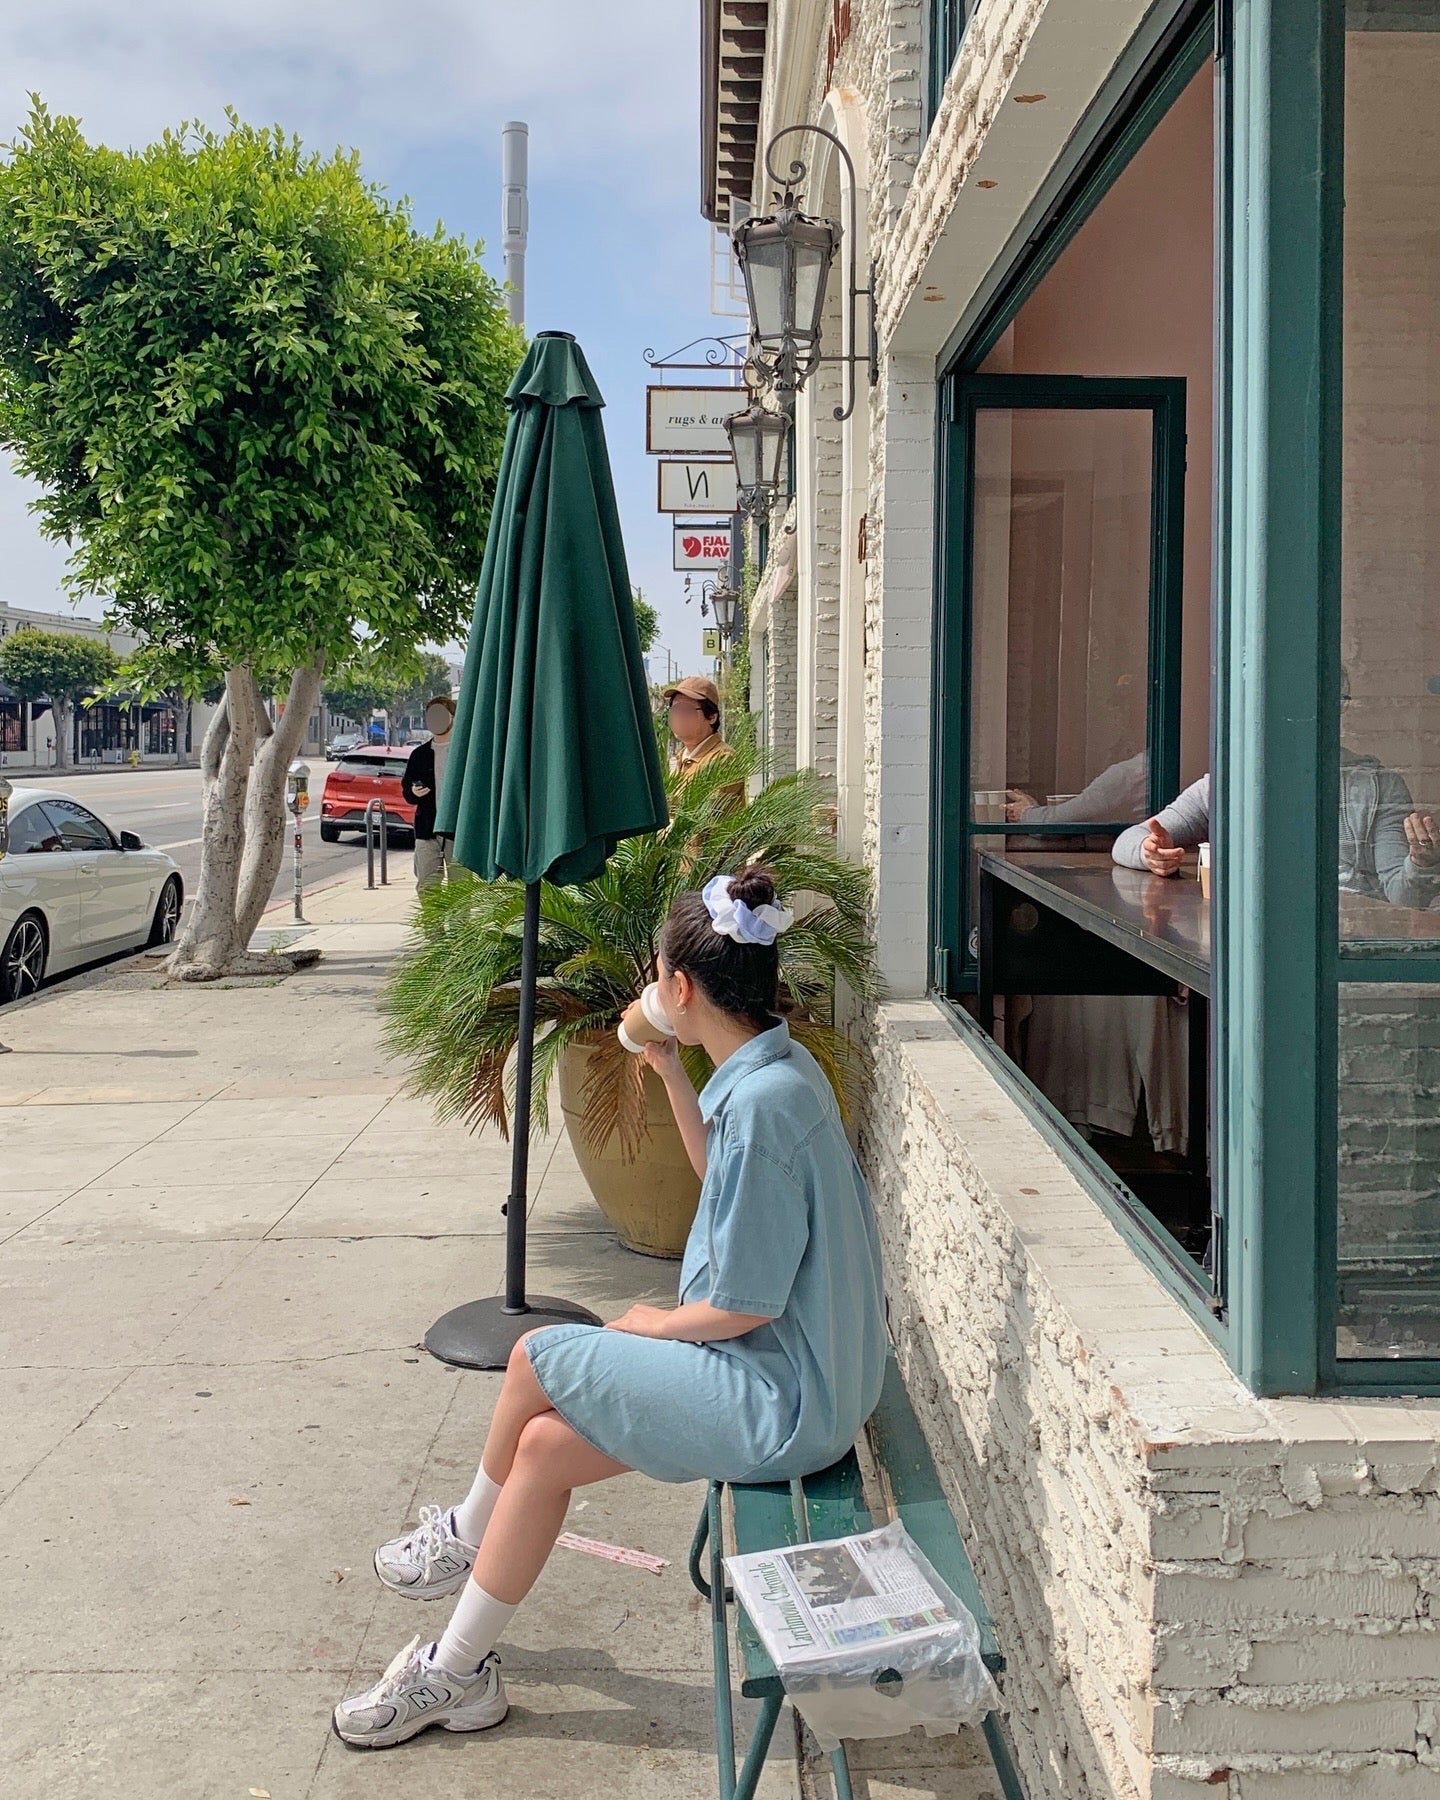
(618,253)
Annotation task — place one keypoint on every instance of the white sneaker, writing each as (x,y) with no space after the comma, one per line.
(430,1561)
(415,1693)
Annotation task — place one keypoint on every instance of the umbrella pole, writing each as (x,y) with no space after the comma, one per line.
(482,1333)
(517,1205)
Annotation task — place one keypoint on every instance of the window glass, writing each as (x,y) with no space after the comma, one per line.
(1389,1178)
(1063,527)
(393,766)
(1388,1235)
(31,833)
(1390,561)
(79,829)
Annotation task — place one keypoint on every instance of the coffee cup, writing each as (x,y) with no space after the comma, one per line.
(989,806)
(644,1021)
(1204,871)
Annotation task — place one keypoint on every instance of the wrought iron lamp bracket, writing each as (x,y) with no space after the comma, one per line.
(790,180)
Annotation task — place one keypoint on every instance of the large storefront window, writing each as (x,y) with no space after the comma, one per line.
(1074,637)
(1388,1221)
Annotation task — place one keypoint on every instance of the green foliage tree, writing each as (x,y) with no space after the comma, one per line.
(266,413)
(647,621)
(365,686)
(59,666)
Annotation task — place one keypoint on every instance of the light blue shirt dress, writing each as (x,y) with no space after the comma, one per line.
(784,1231)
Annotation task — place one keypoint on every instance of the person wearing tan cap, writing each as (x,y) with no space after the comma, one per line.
(695,723)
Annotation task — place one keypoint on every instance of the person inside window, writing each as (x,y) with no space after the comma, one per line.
(765,1371)
(1388,849)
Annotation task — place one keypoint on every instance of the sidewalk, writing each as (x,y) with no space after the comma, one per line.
(223,1233)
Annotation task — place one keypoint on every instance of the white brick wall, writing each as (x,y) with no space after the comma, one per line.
(1198,1591)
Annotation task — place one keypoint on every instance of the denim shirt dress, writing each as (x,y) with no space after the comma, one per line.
(784,1231)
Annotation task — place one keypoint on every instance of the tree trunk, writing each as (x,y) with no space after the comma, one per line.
(243,825)
(206,944)
(265,803)
(62,714)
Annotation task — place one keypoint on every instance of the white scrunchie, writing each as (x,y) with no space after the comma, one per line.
(745,924)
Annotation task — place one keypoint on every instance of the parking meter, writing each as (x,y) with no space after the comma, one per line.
(297,799)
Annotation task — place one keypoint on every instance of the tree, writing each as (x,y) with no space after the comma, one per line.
(266,413)
(59,666)
(364,686)
(647,621)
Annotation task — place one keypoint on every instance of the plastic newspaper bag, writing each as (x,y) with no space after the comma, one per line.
(867,1638)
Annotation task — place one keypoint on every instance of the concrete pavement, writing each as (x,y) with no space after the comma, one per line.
(223,1232)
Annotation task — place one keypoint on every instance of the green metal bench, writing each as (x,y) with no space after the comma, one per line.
(830,1505)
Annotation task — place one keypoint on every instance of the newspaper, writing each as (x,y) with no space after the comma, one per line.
(813,1602)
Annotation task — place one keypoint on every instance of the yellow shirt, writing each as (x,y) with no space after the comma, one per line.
(686,762)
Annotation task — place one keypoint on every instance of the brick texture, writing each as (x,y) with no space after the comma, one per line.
(1200,1591)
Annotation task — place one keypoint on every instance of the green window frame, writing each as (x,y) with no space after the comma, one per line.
(948,22)
(1167,53)
(955,833)
(1279,960)
(1278,918)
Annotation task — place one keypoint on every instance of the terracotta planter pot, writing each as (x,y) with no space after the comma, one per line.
(650,1202)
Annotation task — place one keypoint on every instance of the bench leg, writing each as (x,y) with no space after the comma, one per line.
(697,1550)
(1010,1784)
(720,1646)
(759,1747)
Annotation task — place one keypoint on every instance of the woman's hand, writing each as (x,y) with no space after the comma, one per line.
(641,1321)
(664,1058)
(419,787)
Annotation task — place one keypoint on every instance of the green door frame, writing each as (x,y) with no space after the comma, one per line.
(953,832)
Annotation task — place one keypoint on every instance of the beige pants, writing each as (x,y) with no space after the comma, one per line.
(432,862)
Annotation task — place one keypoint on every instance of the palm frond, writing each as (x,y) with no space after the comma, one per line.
(451,1005)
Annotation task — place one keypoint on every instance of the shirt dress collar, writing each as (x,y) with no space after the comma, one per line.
(765,1047)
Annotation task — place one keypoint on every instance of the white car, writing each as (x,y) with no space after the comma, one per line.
(71,891)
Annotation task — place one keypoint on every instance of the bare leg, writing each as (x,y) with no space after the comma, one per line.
(521,1399)
(548,1461)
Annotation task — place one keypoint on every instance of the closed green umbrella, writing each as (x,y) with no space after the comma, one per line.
(553,758)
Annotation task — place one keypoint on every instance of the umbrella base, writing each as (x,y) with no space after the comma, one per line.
(481,1334)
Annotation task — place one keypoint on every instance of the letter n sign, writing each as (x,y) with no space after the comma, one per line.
(698,487)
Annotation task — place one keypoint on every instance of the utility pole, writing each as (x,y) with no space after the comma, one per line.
(515,211)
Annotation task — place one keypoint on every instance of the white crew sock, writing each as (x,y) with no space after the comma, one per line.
(472,1515)
(473,1631)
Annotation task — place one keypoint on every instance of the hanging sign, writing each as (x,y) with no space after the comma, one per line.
(710,642)
(696,487)
(703,546)
(690,421)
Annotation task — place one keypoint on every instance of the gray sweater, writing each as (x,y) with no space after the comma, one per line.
(1374,851)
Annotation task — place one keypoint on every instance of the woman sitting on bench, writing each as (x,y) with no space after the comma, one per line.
(766,1370)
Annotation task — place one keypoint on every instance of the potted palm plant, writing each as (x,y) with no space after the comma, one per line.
(452,1003)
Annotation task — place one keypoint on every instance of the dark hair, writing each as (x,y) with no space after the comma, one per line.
(712,716)
(742,979)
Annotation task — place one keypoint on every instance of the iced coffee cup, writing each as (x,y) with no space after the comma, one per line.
(1204,871)
(644,1022)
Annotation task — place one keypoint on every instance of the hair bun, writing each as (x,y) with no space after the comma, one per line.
(756,887)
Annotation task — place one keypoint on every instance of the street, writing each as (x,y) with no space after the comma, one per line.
(163,807)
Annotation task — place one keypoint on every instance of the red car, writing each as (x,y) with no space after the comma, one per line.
(369,772)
